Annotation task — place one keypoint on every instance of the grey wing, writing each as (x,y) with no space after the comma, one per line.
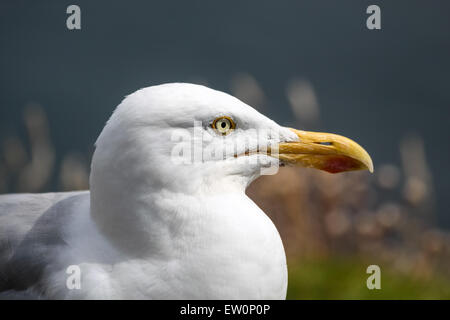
(27,230)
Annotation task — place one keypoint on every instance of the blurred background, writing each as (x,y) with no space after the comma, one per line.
(308,64)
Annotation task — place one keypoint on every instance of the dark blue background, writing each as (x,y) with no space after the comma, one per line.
(374,86)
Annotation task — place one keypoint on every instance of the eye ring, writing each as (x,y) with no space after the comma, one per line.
(223,125)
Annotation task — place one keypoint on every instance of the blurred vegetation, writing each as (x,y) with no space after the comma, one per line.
(345,278)
(332,226)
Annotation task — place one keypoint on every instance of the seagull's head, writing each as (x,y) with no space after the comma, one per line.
(185,137)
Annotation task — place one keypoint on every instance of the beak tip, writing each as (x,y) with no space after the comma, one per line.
(369,163)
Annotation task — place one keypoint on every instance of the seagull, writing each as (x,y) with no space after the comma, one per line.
(166,216)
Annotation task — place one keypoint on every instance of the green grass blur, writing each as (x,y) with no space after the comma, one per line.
(345,278)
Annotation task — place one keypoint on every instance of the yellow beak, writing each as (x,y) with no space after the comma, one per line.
(325,151)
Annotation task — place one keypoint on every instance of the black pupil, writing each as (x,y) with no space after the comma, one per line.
(223,124)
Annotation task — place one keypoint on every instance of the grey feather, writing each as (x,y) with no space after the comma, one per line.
(29,238)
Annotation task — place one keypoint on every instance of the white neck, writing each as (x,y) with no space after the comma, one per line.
(135,208)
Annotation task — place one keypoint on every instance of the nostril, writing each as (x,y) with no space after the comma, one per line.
(325,143)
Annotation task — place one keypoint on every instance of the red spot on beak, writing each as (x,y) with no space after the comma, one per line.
(338,164)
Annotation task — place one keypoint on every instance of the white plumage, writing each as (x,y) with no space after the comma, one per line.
(150,228)
(155,228)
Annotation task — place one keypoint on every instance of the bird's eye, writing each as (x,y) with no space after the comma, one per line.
(223,125)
